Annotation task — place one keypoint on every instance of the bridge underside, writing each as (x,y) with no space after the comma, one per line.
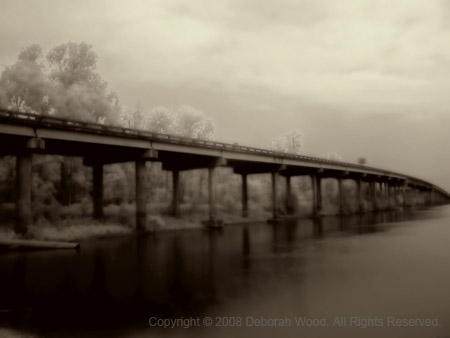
(98,149)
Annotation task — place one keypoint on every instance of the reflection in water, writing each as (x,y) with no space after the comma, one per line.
(118,283)
(246,249)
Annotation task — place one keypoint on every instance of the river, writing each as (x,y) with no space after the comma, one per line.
(374,275)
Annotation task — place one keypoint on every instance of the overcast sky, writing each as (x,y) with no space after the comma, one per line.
(360,78)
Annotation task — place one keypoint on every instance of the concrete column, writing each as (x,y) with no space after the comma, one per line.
(405,203)
(176,193)
(244,196)
(373,194)
(395,195)
(317,195)
(359,188)
(288,195)
(141,196)
(415,196)
(212,194)
(97,190)
(388,195)
(23,193)
(275,195)
(341,195)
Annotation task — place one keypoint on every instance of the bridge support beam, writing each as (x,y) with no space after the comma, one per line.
(244,196)
(359,187)
(405,202)
(395,195)
(175,193)
(212,222)
(388,195)
(97,190)
(373,194)
(289,207)
(275,207)
(317,195)
(23,193)
(341,195)
(141,196)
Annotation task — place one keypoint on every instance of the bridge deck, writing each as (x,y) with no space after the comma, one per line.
(71,137)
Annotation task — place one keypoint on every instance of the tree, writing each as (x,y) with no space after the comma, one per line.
(332,157)
(160,120)
(78,90)
(290,142)
(192,122)
(185,121)
(134,119)
(24,86)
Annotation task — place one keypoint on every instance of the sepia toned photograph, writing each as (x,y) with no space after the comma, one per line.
(226,168)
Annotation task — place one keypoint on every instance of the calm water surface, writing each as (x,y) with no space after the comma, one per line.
(347,272)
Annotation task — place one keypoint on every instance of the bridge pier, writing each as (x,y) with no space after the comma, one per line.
(97,190)
(244,195)
(275,207)
(341,195)
(289,206)
(212,222)
(395,195)
(141,196)
(405,201)
(23,193)
(388,195)
(373,194)
(359,187)
(176,193)
(317,195)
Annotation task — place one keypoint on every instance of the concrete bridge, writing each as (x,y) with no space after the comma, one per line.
(23,134)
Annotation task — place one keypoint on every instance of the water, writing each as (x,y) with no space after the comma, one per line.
(357,271)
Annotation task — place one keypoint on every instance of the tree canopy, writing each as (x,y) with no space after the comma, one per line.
(185,121)
(291,142)
(24,85)
(78,90)
(66,84)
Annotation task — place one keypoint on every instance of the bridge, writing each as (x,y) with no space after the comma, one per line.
(22,134)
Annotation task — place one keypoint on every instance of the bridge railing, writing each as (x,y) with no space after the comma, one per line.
(77,125)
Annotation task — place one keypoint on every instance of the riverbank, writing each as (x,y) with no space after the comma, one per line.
(72,225)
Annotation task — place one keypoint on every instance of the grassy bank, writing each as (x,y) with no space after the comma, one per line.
(72,223)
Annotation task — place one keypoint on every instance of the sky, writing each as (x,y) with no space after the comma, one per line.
(360,78)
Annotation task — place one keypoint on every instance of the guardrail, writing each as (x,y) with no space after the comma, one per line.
(77,125)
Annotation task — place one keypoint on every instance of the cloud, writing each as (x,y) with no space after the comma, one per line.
(329,68)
